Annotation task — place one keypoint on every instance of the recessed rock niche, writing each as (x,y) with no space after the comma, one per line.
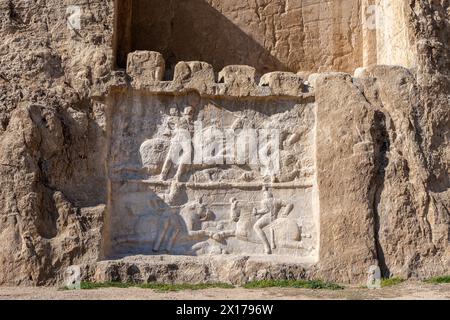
(231,195)
(283,35)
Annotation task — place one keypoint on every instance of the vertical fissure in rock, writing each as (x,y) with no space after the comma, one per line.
(381,148)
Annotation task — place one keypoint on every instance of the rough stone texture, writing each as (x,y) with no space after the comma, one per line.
(239,79)
(271,35)
(411,222)
(53,187)
(383,138)
(346,165)
(390,213)
(394,38)
(146,65)
(170,269)
(283,83)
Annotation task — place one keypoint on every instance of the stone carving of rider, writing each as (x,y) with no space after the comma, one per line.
(270,208)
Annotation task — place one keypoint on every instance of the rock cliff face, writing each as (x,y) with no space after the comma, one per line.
(282,35)
(52,175)
(268,34)
(382,141)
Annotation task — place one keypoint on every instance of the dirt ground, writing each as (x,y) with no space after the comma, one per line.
(408,290)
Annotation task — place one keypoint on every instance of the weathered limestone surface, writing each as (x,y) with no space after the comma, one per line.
(271,35)
(385,204)
(150,193)
(170,269)
(53,187)
(394,38)
(382,138)
(146,65)
(346,155)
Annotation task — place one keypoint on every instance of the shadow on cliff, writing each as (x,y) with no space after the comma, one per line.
(193,30)
(382,145)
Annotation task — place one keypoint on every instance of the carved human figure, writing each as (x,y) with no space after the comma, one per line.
(154,152)
(290,168)
(235,213)
(171,123)
(270,207)
(187,119)
(241,123)
(183,226)
(181,137)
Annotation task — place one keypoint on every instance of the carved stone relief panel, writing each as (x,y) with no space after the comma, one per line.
(193,175)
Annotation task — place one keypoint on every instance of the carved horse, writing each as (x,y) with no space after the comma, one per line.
(184,226)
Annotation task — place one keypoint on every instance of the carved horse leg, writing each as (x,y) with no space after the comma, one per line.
(172,239)
(161,235)
(166,168)
(272,238)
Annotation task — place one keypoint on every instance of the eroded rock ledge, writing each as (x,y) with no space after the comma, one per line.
(146,69)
